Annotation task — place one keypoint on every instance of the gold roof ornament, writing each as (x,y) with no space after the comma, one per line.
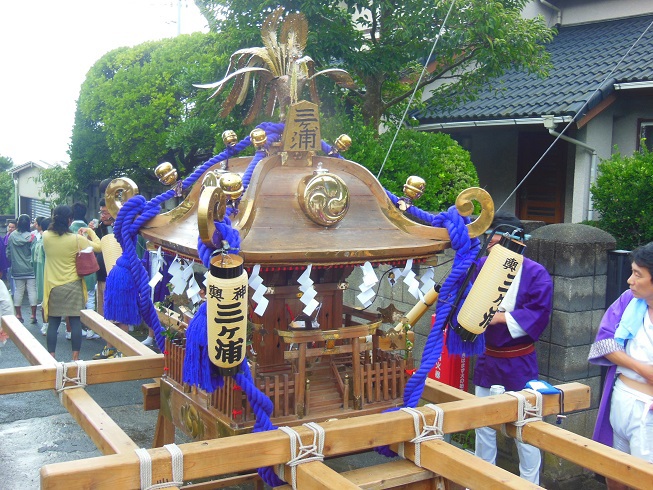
(282,69)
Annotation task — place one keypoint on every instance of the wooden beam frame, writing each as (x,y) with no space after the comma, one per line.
(234,454)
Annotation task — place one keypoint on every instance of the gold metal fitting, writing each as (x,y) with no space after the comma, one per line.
(232,185)
(342,143)
(118,192)
(212,206)
(166,173)
(258,138)
(414,187)
(229,138)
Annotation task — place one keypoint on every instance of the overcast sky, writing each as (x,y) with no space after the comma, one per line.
(46,49)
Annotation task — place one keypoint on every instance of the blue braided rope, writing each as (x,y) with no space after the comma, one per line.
(466,250)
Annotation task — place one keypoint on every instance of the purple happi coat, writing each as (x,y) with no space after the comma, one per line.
(532,311)
(605,343)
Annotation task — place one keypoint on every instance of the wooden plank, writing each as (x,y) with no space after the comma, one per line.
(388,475)
(225,482)
(35,378)
(464,468)
(339,349)
(151,395)
(107,436)
(438,392)
(113,334)
(318,476)
(604,460)
(164,432)
(234,454)
(31,348)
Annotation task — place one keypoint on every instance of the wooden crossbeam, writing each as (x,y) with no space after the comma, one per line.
(387,475)
(107,436)
(103,431)
(234,454)
(35,378)
(604,460)
(31,348)
(464,468)
(113,334)
(318,476)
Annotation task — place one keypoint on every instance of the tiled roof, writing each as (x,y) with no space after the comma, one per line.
(582,57)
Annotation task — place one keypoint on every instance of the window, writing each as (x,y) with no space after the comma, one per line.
(645,134)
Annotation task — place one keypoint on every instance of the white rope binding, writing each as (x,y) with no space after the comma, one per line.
(145,461)
(306,454)
(63,382)
(526,412)
(428,432)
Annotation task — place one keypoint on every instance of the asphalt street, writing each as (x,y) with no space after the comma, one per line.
(36,430)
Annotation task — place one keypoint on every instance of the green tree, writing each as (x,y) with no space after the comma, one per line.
(60,186)
(436,157)
(381,43)
(6,186)
(624,198)
(138,107)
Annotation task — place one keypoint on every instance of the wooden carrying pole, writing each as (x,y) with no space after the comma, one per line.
(235,454)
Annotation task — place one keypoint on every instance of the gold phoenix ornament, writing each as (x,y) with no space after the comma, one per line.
(280,65)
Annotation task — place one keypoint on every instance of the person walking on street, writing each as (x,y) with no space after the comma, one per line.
(19,252)
(64,291)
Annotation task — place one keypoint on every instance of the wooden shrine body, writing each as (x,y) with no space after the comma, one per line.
(347,365)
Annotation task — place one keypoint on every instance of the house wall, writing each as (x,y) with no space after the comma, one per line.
(27,184)
(626,113)
(582,11)
(494,154)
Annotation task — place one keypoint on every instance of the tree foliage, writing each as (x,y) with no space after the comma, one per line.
(624,197)
(59,185)
(138,107)
(7,203)
(436,157)
(381,43)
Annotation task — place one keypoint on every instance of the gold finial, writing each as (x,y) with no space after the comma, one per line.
(413,190)
(342,143)
(232,186)
(414,187)
(166,173)
(229,138)
(258,138)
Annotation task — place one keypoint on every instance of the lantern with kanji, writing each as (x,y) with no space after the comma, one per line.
(226,288)
(490,287)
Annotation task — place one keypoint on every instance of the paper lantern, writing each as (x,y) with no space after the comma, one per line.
(490,287)
(226,296)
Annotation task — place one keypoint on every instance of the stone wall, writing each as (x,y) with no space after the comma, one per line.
(576,256)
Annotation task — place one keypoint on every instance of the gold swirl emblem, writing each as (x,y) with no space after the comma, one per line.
(324,198)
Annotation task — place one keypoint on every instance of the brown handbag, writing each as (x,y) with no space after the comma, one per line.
(85,262)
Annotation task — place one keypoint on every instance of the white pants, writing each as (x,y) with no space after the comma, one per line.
(632,421)
(90,302)
(19,292)
(530,457)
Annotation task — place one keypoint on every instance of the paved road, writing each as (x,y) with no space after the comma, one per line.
(36,430)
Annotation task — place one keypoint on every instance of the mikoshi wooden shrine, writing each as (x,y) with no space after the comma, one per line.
(305,218)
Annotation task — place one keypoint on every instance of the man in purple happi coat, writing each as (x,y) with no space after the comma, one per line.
(510,359)
(624,343)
